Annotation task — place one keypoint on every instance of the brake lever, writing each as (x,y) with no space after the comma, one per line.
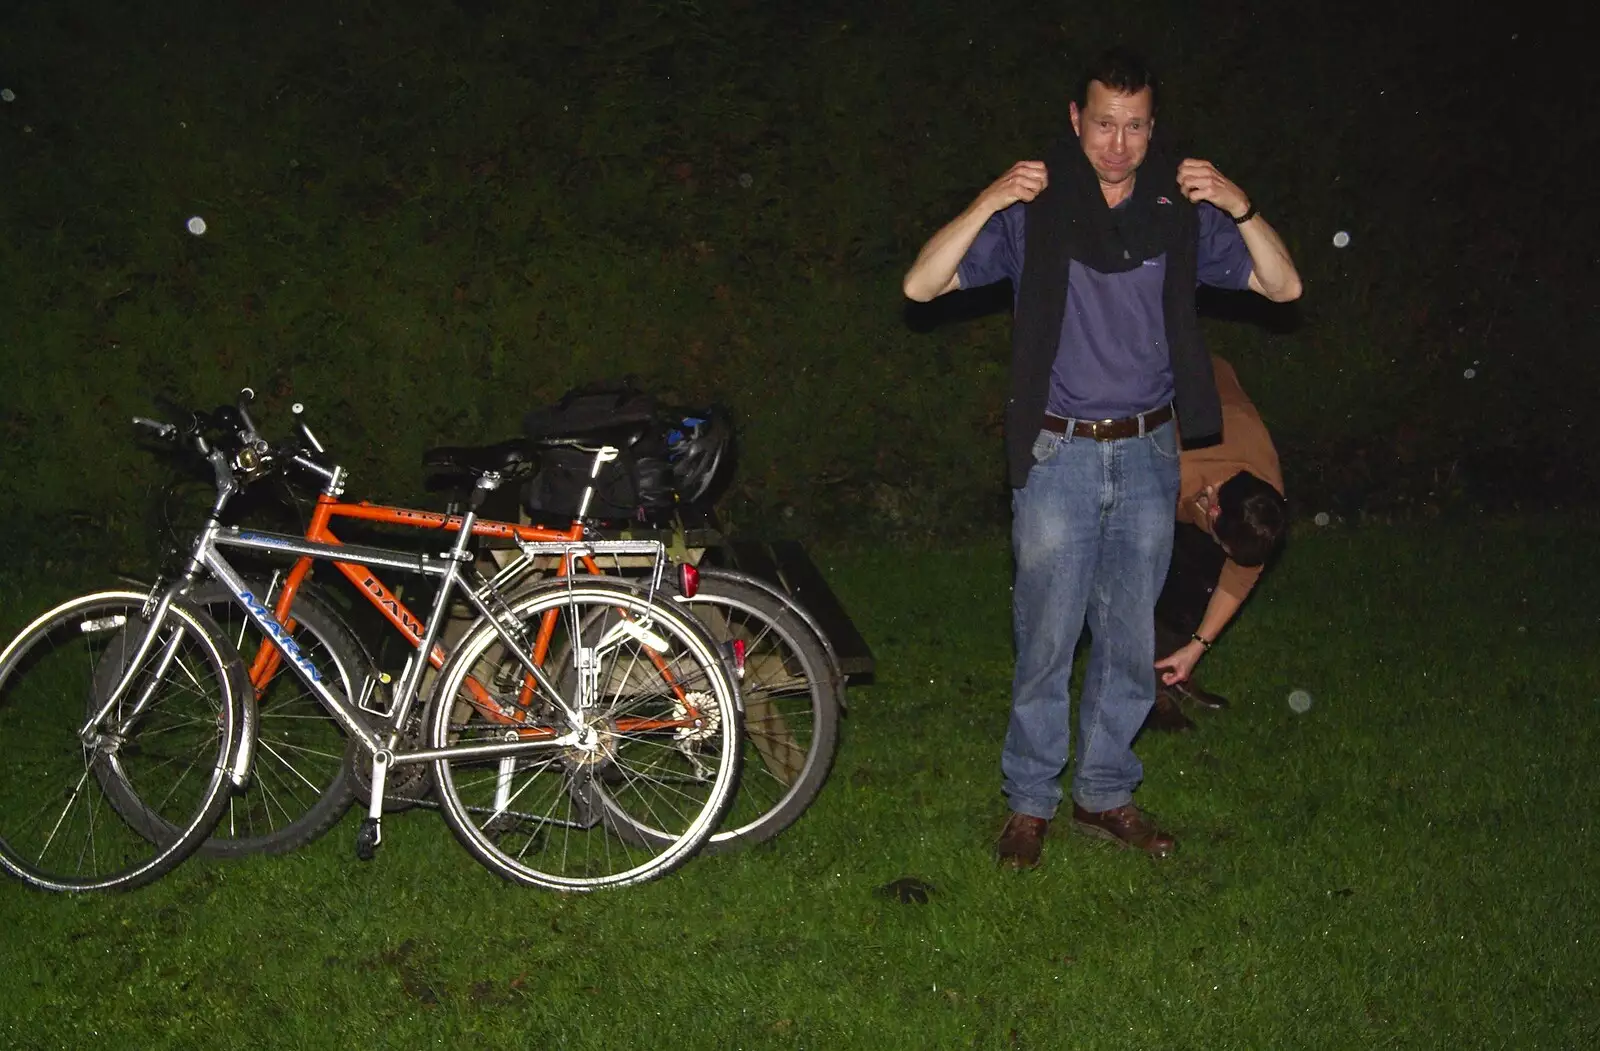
(180,413)
(164,431)
(171,432)
(299,411)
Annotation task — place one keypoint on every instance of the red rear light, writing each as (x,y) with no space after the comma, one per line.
(688,580)
(738,658)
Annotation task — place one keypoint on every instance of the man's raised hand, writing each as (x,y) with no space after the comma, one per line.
(1200,181)
(1022,182)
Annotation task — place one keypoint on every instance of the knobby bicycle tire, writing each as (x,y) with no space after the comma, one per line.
(125,808)
(567,818)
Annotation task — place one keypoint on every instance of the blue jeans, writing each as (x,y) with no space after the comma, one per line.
(1092,532)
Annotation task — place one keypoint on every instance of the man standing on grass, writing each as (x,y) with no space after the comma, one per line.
(1230,520)
(1104,242)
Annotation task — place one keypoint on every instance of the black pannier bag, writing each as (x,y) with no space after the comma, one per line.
(668,457)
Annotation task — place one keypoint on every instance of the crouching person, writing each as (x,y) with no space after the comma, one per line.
(1231,519)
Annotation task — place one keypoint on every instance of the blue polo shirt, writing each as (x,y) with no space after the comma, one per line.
(1113,359)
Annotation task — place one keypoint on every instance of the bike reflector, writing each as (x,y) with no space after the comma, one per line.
(688,580)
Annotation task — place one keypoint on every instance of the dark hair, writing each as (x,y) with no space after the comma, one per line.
(1124,72)
(1251,518)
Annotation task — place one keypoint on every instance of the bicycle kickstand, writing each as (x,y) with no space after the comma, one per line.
(370,834)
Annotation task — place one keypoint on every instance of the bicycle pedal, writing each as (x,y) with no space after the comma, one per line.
(368,836)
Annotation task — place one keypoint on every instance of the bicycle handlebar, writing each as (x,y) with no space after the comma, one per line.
(237,452)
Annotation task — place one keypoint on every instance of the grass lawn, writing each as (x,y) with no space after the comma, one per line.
(1407,864)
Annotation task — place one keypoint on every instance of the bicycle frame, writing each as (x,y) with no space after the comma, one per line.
(569,542)
(377,593)
(345,709)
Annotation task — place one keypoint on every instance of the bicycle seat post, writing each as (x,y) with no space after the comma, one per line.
(602,456)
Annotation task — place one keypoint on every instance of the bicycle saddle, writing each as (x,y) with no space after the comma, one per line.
(620,435)
(510,457)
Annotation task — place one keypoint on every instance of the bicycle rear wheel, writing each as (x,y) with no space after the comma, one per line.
(300,783)
(646,772)
(173,740)
(791,706)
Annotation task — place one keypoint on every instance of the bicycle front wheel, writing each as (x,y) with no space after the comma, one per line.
(622,785)
(167,748)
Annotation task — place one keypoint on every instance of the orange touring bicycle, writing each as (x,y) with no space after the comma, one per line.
(306,771)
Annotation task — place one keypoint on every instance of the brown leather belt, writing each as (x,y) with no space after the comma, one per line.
(1111,430)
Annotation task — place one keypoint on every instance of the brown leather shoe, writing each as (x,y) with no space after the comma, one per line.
(1189,690)
(1021,840)
(1126,826)
(1165,715)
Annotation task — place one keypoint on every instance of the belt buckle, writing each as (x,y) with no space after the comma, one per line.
(1097,426)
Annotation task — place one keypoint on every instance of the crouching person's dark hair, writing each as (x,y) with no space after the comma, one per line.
(1252,518)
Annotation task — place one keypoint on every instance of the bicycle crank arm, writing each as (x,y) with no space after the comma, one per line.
(370,835)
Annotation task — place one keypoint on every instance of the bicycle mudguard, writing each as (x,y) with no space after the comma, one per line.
(836,676)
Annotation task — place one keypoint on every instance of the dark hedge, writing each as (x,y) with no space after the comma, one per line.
(424,217)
